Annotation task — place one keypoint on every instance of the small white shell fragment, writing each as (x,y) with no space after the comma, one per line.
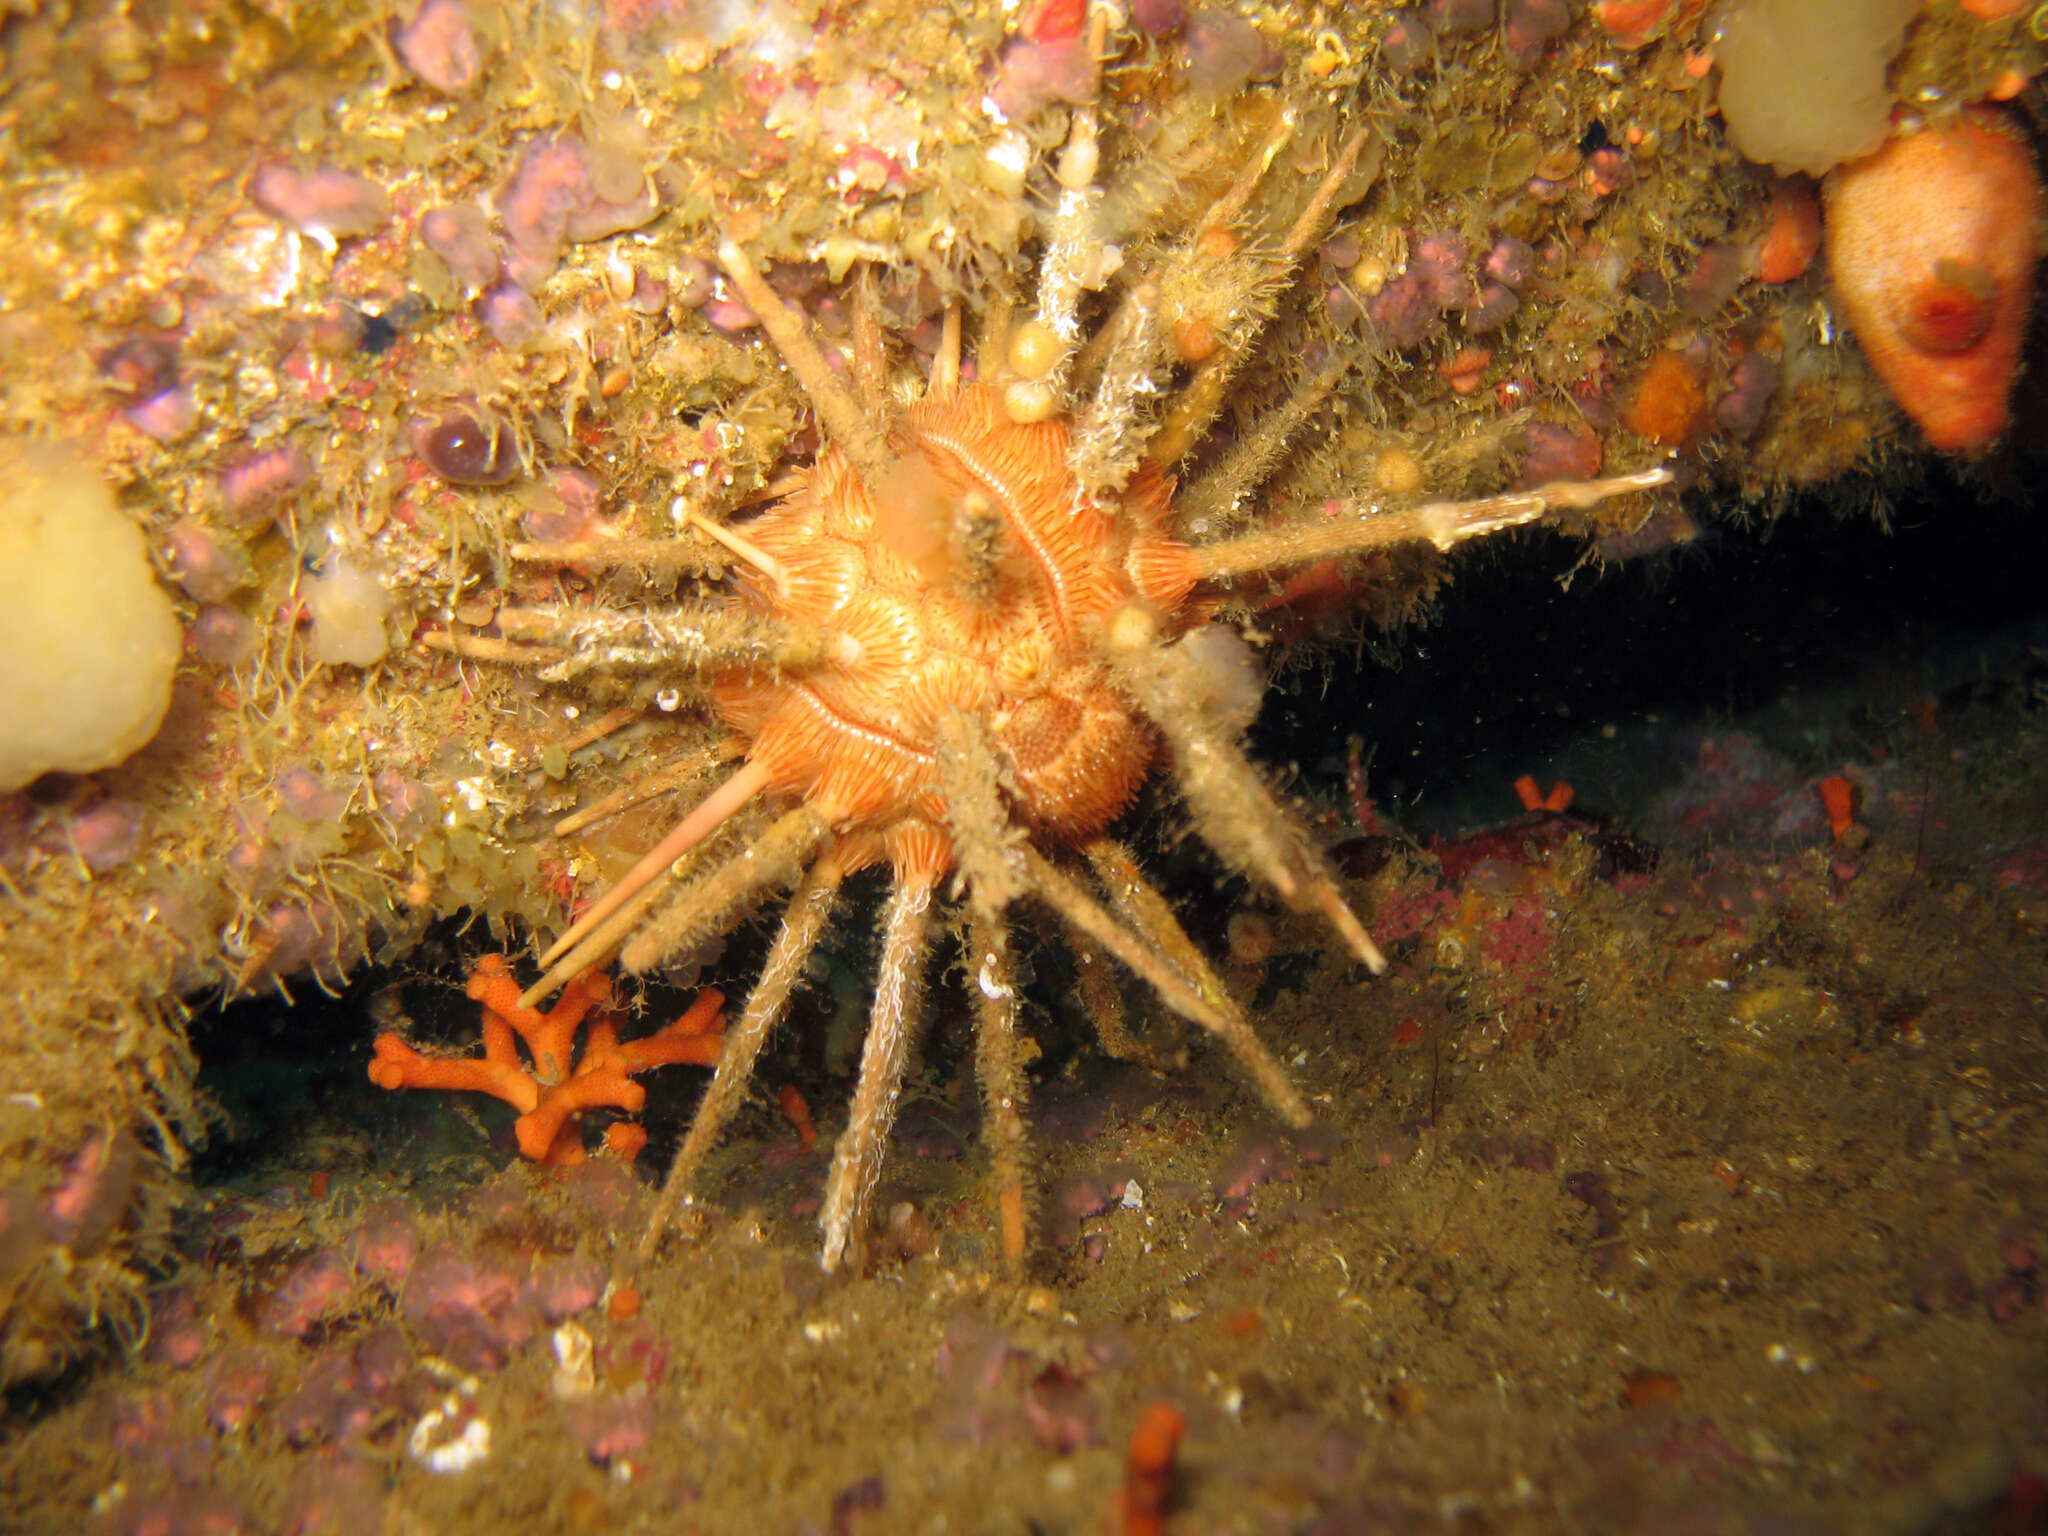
(1004,165)
(575,1362)
(435,1447)
(1134,1195)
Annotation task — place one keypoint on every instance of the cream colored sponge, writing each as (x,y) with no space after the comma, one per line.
(90,640)
(1803,83)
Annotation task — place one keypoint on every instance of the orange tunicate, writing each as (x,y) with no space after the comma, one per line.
(2008,84)
(1932,243)
(1838,799)
(1195,340)
(1634,23)
(1466,371)
(1793,239)
(1994,10)
(1667,403)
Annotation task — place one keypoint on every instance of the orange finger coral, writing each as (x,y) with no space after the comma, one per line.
(552,1093)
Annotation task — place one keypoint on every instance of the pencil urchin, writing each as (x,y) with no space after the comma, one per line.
(968,632)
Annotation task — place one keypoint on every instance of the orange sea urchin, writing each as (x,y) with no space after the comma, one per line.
(966,634)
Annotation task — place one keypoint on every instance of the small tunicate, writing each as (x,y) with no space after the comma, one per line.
(165,417)
(1033,74)
(1403,312)
(1494,307)
(567,192)
(439,45)
(1716,277)
(323,201)
(668,701)
(1223,51)
(404,805)
(1511,261)
(307,796)
(1251,938)
(565,510)
(141,366)
(220,636)
(649,295)
(338,329)
(1408,44)
(1159,17)
(1451,16)
(464,451)
(348,606)
(1751,384)
(693,282)
(1552,452)
(511,316)
(1531,26)
(105,836)
(460,235)
(205,569)
(729,314)
(292,935)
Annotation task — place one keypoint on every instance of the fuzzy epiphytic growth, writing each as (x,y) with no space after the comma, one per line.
(553,1086)
(1011,630)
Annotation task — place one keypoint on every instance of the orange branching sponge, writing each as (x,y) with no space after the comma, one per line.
(552,1093)
(1149,1470)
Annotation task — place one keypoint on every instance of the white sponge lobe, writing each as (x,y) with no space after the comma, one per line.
(89,641)
(1803,81)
